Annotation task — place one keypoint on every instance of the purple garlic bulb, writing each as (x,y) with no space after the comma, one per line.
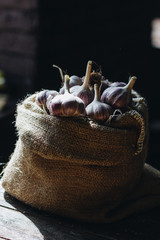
(119,97)
(118,84)
(66,104)
(74,80)
(84,91)
(96,109)
(104,85)
(41,97)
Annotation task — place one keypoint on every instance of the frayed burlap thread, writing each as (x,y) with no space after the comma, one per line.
(75,167)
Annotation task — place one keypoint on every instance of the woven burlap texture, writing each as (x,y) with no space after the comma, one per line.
(75,167)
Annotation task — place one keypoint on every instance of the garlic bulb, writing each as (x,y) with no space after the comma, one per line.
(74,80)
(84,91)
(96,109)
(117,84)
(41,97)
(104,85)
(66,104)
(119,97)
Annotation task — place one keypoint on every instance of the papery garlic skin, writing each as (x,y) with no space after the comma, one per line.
(41,97)
(104,85)
(117,84)
(66,104)
(84,91)
(100,112)
(119,97)
(74,80)
(116,98)
(85,94)
(97,110)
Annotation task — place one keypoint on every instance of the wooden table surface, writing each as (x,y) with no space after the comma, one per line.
(21,222)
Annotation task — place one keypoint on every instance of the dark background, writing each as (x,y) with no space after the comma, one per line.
(115,34)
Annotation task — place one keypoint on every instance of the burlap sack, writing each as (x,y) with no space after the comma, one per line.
(73,166)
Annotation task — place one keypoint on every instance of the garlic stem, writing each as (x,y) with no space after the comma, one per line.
(96,92)
(138,99)
(66,83)
(60,70)
(131,83)
(87,76)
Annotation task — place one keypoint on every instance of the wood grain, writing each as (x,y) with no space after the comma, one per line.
(21,222)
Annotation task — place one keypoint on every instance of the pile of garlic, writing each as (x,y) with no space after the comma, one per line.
(91,96)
